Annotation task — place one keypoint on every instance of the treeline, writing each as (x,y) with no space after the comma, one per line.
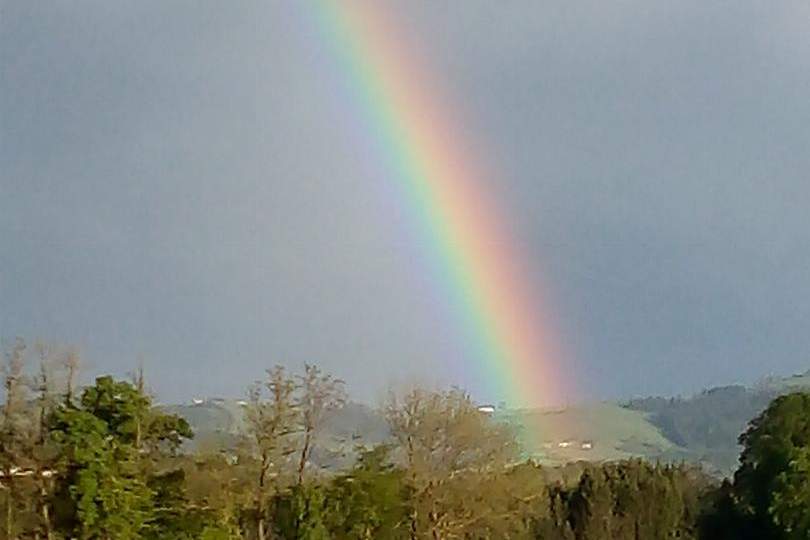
(101,462)
(712,419)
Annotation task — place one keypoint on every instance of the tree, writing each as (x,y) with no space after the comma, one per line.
(16,433)
(319,393)
(44,454)
(791,499)
(446,443)
(554,523)
(301,512)
(105,468)
(174,516)
(721,517)
(120,405)
(271,419)
(771,483)
(225,490)
(591,507)
(370,501)
(99,490)
(72,363)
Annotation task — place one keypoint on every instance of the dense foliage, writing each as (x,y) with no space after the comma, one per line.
(103,463)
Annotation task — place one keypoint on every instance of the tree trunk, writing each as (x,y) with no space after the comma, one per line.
(304,456)
(139,425)
(433,517)
(9,511)
(414,514)
(46,514)
(414,517)
(260,498)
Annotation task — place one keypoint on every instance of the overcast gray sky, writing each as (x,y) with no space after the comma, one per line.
(181,180)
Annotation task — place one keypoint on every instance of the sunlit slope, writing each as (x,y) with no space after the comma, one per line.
(593,432)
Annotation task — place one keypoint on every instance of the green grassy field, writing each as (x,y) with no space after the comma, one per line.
(591,432)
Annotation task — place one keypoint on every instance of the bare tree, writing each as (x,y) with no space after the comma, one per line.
(139,382)
(319,393)
(445,442)
(15,430)
(42,453)
(71,364)
(271,419)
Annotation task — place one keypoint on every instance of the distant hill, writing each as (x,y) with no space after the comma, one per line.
(701,429)
(591,432)
(220,424)
(705,427)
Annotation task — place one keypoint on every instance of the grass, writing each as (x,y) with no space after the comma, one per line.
(556,436)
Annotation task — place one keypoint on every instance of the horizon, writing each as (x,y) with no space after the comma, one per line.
(87,377)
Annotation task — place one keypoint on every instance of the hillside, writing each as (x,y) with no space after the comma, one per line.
(219,424)
(593,432)
(701,429)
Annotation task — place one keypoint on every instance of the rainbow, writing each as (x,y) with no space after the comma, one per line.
(479,269)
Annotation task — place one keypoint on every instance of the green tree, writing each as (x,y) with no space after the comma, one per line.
(120,405)
(555,523)
(771,483)
(175,516)
(100,494)
(108,445)
(633,499)
(224,489)
(591,507)
(370,501)
(721,517)
(301,512)
(791,500)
